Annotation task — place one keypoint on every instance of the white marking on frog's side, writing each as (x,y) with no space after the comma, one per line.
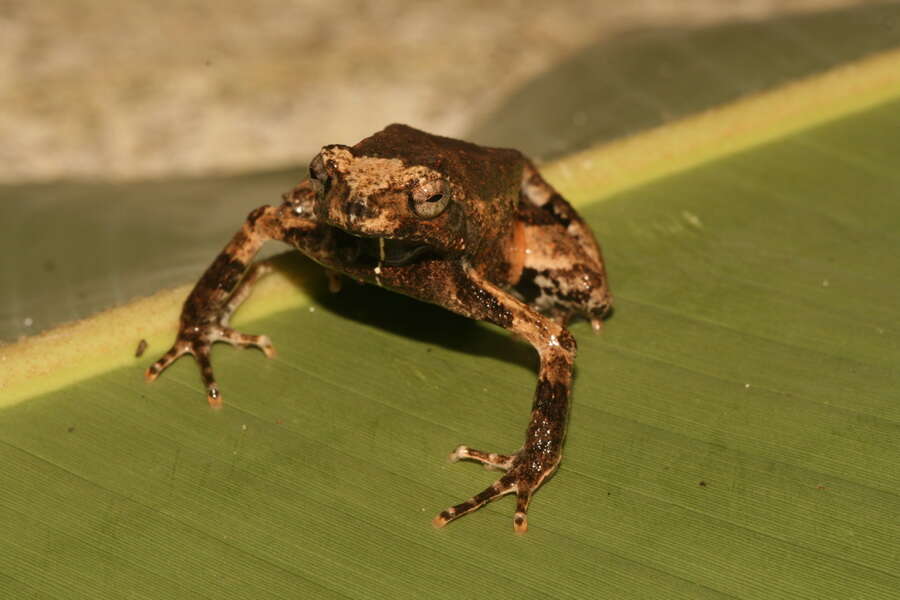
(538,193)
(545,300)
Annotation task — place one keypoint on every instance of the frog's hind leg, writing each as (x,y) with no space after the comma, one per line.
(536,191)
(563,272)
(558,277)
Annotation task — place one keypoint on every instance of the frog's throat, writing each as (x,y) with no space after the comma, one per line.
(382,250)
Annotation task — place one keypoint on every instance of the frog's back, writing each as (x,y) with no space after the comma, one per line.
(493,172)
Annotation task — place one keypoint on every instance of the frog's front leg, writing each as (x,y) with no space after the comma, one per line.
(538,458)
(225,284)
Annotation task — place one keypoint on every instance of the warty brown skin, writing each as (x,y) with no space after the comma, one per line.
(476,230)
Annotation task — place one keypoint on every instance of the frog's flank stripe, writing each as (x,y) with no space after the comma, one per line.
(106,341)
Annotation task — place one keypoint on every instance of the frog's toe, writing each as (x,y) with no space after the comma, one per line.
(200,351)
(175,352)
(520,521)
(490,460)
(503,486)
(507,484)
(236,338)
(213,395)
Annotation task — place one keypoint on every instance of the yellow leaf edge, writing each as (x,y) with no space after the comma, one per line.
(76,351)
(607,169)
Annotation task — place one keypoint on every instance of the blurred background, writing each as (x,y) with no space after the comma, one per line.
(137,135)
(111,90)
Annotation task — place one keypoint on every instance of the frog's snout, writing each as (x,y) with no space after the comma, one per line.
(358,208)
(352,212)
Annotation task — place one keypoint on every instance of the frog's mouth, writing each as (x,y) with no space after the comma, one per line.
(381,250)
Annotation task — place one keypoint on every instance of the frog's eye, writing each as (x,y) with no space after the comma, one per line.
(317,168)
(429,199)
(318,173)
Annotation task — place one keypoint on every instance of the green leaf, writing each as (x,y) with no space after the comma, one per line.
(734,430)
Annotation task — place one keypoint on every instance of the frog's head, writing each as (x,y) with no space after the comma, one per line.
(407,193)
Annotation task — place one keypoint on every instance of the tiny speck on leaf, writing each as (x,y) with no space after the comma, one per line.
(141,347)
(70,428)
(702,484)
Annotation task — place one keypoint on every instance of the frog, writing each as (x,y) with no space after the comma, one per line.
(476,230)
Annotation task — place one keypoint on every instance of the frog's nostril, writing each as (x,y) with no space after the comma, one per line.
(356,209)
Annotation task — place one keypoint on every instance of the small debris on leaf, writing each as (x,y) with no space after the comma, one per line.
(141,347)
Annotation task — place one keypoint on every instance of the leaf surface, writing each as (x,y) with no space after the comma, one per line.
(734,432)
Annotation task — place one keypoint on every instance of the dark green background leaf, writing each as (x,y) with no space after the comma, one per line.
(648,78)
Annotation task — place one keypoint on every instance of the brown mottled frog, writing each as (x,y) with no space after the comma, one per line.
(473,229)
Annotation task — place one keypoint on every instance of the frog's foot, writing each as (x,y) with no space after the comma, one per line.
(523,476)
(197,342)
